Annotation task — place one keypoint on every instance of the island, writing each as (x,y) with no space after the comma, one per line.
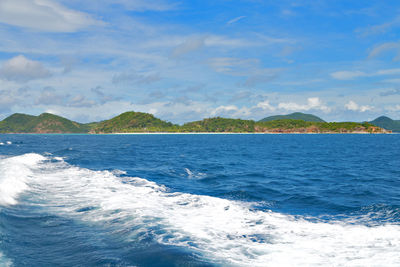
(139,122)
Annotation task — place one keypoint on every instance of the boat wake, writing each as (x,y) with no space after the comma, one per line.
(4,261)
(222,231)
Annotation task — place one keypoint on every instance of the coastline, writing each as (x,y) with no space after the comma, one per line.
(201,133)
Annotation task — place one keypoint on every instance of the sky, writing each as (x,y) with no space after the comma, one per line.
(90,60)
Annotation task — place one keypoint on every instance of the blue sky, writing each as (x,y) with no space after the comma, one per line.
(89,60)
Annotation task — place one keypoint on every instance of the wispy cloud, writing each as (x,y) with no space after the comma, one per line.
(44,15)
(136,78)
(379,28)
(145,5)
(234,20)
(249,68)
(233,66)
(350,75)
(391,92)
(347,75)
(189,45)
(384,48)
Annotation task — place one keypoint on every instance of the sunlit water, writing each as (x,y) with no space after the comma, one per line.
(200,200)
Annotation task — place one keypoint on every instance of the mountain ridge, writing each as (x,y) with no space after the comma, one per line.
(132,122)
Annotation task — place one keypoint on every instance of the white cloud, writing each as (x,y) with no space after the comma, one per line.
(265,105)
(312,103)
(347,75)
(43,15)
(232,111)
(351,105)
(21,69)
(223,109)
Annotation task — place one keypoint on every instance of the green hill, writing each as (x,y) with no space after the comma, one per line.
(219,125)
(387,123)
(301,126)
(133,122)
(294,116)
(44,123)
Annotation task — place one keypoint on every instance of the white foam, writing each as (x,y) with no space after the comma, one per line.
(4,262)
(226,232)
(197,175)
(1,144)
(14,173)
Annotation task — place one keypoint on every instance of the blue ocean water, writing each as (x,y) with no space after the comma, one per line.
(200,200)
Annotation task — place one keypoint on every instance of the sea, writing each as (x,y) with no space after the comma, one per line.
(200,200)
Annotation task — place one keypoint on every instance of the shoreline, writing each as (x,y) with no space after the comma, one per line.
(198,133)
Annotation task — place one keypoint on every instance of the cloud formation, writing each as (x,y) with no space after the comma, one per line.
(21,69)
(43,15)
(353,106)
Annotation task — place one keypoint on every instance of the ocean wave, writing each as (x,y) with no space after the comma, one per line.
(224,231)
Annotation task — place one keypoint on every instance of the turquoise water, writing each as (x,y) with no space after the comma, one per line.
(199,200)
